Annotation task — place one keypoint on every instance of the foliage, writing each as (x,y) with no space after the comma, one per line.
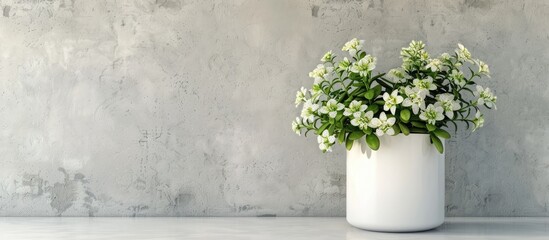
(425,95)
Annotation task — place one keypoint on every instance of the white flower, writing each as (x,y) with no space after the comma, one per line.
(331,108)
(434,64)
(425,84)
(328,57)
(414,55)
(446,101)
(325,141)
(364,65)
(445,57)
(391,101)
(296,126)
(463,54)
(485,96)
(396,75)
(417,45)
(383,125)
(315,91)
(415,99)
(320,73)
(355,106)
(432,114)
(344,64)
(362,120)
(413,50)
(458,78)
(353,46)
(300,96)
(308,112)
(483,68)
(478,121)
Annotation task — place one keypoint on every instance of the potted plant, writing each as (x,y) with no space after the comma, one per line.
(392,125)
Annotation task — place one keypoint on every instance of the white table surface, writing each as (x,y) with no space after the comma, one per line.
(259,228)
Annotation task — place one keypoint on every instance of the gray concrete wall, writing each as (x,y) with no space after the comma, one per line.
(183,108)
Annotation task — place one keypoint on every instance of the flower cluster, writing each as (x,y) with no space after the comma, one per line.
(347,101)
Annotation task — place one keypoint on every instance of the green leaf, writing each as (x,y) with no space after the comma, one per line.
(361,92)
(349,100)
(377,90)
(442,134)
(378,76)
(438,144)
(382,83)
(396,128)
(415,118)
(354,76)
(379,102)
(405,115)
(349,144)
(370,94)
(373,141)
(341,136)
(322,128)
(339,124)
(365,81)
(404,129)
(431,127)
(339,116)
(362,55)
(418,124)
(331,129)
(374,108)
(355,135)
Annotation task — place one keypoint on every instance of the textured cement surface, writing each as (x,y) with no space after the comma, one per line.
(183,108)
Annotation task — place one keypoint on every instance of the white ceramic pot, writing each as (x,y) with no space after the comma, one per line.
(399,188)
